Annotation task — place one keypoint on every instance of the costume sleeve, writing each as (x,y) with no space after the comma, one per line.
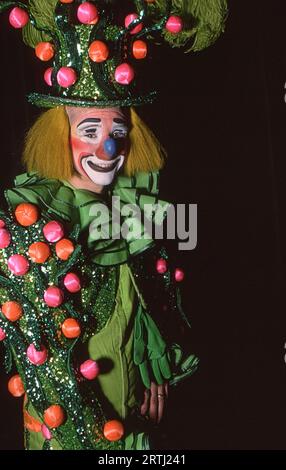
(162,330)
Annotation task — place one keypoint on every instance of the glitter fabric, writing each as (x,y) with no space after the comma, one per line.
(56,381)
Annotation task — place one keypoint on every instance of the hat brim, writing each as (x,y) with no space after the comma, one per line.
(49,101)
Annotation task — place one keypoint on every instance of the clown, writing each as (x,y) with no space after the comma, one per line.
(92,319)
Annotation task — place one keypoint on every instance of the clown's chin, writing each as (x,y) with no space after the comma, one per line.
(102,172)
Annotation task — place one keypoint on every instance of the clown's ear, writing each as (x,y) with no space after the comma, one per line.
(43,12)
(203,20)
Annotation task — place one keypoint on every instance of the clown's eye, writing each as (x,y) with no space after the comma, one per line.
(119,134)
(90,133)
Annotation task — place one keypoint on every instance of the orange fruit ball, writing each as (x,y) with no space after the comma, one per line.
(39,252)
(45,51)
(71,328)
(98,51)
(16,387)
(113,430)
(12,311)
(64,249)
(54,416)
(139,49)
(26,214)
(66,1)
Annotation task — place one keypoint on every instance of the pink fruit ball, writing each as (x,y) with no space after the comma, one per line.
(53,297)
(89,369)
(37,357)
(179,275)
(48,76)
(174,24)
(5,238)
(18,18)
(161,266)
(129,19)
(66,77)
(53,231)
(87,13)
(2,335)
(2,223)
(72,283)
(46,432)
(124,74)
(18,265)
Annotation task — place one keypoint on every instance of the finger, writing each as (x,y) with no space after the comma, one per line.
(153,410)
(161,402)
(145,404)
(166,388)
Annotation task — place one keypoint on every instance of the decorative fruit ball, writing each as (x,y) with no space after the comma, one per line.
(113,430)
(124,74)
(18,265)
(2,334)
(18,18)
(139,49)
(66,77)
(2,223)
(26,214)
(87,13)
(39,252)
(12,310)
(37,357)
(53,296)
(46,433)
(45,51)
(48,76)
(66,1)
(179,275)
(161,266)
(98,51)
(72,283)
(174,24)
(89,369)
(53,231)
(16,387)
(54,416)
(71,328)
(64,249)
(129,19)
(5,238)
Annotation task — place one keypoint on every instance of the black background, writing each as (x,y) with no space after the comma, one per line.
(221,116)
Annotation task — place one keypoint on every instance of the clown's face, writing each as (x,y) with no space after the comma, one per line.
(99,142)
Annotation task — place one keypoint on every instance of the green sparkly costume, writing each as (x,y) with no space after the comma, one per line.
(124,329)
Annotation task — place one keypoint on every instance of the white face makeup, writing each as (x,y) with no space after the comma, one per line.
(99,143)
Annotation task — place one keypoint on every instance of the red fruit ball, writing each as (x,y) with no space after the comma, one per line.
(161,266)
(71,328)
(12,311)
(45,51)
(179,275)
(64,249)
(39,252)
(98,51)
(26,214)
(54,416)
(16,387)
(113,430)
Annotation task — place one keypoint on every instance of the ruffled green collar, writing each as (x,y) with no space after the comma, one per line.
(60,200)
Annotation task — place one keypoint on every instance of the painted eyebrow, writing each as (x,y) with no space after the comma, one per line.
(119,121)
(88,120)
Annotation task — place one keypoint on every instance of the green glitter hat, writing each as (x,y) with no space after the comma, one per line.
(95,46)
